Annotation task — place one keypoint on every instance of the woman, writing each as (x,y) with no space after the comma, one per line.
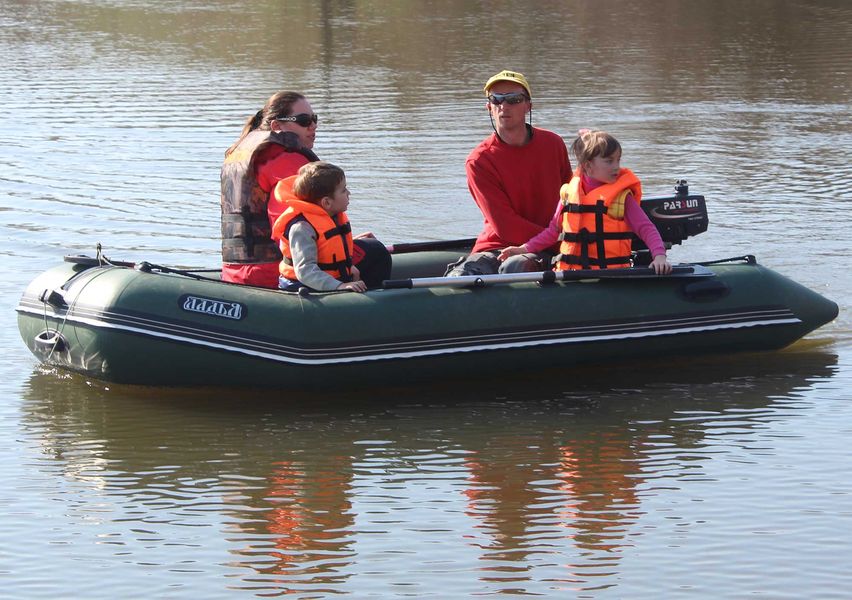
(274,144)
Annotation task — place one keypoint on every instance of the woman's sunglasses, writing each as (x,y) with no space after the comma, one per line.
(511,98)
(302,119)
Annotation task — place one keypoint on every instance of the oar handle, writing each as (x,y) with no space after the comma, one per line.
(406,247)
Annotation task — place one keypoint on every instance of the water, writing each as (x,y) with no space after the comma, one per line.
(676,478)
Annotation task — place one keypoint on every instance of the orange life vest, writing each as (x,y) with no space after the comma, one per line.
(334,234)
(594,233)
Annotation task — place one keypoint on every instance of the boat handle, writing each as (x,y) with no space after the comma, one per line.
(52,297)
(710,289)
(50,340)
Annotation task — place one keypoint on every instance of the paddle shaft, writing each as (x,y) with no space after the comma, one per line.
(541,277)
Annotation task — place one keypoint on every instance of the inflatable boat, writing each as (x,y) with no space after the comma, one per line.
(142,323)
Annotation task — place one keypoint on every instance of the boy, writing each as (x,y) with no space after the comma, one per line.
(314,232)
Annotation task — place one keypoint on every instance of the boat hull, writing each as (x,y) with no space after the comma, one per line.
(124,325)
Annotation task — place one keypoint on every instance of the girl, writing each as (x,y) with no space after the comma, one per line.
(598,213)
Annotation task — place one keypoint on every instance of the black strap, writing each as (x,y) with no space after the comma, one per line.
(337,265)
(340,230)
(593,237)
(570,207)
(599,229)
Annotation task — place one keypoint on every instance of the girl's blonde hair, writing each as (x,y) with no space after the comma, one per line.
(591,144)
(317,180)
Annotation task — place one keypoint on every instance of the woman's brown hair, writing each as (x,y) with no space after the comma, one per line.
(279,105)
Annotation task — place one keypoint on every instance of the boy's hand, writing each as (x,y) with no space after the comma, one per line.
(353,286)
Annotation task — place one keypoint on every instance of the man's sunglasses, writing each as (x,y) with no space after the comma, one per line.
(302,119)
(512,98)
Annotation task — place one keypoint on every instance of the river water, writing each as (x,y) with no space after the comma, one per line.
(725,477)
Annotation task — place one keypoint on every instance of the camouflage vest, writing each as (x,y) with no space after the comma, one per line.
(245,224)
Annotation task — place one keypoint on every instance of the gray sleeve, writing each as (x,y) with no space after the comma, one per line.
(303,247)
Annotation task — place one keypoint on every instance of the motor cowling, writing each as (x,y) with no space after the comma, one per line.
(677,217)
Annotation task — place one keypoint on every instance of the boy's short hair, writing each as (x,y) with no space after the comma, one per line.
(317,180)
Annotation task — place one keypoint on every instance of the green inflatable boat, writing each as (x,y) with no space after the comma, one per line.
(139,323)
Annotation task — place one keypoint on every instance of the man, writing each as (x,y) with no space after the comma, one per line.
(514,176)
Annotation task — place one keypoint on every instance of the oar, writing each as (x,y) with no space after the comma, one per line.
(427,246)
(546,277)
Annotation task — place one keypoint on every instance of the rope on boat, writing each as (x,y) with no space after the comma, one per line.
(749,259)
(144,266)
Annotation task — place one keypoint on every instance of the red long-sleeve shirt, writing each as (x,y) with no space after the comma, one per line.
(516,187)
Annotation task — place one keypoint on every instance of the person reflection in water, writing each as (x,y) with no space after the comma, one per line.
(307,517)
(274,144)
(585,487)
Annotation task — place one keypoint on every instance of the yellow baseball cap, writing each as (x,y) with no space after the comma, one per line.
(512,76)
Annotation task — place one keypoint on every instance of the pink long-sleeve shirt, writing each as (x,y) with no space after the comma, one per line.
(634,216)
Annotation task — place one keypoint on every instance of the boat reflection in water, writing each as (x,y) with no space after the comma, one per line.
(514,485)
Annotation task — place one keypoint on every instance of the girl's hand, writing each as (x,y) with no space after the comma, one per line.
(661,265)
(356,274)
(511,251)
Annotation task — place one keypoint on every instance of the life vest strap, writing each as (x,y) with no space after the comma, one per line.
(340,230)
(342,267)
(570,207)
(338,265)
(330,265)
(586,236)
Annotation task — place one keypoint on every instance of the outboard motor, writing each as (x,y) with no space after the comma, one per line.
(676,217)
